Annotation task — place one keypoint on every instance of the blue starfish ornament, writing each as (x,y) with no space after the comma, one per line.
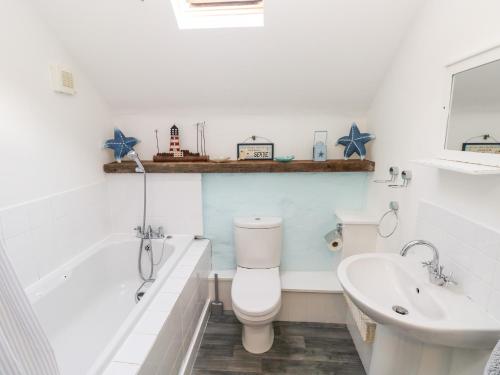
(121,145)
(355,142)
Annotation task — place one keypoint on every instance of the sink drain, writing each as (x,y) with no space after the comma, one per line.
(400,310)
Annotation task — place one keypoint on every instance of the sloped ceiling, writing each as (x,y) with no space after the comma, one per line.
(312,55)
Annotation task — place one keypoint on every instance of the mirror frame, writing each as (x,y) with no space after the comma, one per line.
(463,64)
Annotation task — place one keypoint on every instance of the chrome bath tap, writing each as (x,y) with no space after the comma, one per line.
(149,233)
(436,275)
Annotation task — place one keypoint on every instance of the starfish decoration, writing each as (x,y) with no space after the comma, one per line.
(355,142)
(120,144)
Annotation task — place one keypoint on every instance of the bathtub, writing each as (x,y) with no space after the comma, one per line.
(89,311)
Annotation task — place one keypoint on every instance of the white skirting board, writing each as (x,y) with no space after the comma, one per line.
(297,305)
(188,362)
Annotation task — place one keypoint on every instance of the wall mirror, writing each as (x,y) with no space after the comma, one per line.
(473,109)
(474,116)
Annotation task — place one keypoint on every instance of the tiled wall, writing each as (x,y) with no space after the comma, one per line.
(41,235)
(468,249)
(173,201)
(306,202)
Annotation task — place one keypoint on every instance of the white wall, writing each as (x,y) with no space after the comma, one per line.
(52,196)
(407,113)
(292,133)
(48,142)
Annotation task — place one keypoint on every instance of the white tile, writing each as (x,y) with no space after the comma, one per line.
(483,267)
(189,260)
(182,271)
(46,256)
(496,277)
(119,368)
(164,302)
(174,285)
(15,221)
(477,290)
(61,204)
(135,349)
(20,250)
(39,213)
(494,305)
(151,322)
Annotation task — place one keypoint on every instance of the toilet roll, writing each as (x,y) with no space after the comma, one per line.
(334,240)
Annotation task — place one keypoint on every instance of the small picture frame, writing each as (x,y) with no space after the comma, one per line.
(487,148)
(255,151)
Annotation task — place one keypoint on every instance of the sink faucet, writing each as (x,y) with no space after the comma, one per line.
(436,275)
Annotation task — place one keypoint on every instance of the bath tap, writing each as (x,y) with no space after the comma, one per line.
(149,233)
(436,275)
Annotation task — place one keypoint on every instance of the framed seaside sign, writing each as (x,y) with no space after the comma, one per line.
(255,151)
(489,148)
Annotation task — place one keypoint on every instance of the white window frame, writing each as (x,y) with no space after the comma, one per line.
(470,61)
(223,16)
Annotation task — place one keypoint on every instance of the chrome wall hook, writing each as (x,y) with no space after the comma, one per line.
(406,176)
(393,173)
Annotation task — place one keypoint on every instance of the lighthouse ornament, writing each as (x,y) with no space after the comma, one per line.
(175,153)
(175,146)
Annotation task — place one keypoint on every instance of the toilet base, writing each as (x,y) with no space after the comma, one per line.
(258,339)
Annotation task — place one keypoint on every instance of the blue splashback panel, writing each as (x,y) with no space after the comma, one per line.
(305,201)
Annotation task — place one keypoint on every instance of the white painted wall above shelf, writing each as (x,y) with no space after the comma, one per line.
(460,167)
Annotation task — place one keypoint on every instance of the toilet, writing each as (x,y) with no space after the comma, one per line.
(256,288)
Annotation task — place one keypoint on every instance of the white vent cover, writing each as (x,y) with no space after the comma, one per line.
(62,80)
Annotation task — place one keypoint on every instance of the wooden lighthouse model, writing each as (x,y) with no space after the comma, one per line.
(175,146)
(175,154)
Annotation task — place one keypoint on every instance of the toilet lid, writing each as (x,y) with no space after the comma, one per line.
(256,292)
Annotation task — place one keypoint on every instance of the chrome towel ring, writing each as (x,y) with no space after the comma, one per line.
(393,209)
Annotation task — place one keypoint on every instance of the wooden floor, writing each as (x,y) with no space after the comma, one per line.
(299,348)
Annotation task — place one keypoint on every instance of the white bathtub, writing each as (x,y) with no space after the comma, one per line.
(88,307)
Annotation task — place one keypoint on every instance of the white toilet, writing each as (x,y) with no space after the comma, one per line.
(256,289)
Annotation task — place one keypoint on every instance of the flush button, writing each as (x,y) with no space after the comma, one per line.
(257,218)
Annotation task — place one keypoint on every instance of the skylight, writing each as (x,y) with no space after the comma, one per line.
(210,14)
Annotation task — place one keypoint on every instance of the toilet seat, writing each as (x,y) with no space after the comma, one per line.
(256,293)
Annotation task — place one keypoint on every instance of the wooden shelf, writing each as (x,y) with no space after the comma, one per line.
(354,165)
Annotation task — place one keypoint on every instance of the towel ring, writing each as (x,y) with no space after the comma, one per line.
(393,209)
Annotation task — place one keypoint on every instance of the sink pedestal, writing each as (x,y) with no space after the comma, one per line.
(396,354)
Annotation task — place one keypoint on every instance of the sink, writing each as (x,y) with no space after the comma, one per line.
(395,291)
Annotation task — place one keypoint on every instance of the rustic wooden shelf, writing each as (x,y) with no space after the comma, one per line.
(354,165)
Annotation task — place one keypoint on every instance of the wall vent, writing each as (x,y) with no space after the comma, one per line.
(62,80)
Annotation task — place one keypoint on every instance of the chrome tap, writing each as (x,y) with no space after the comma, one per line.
(149,233)
(436,275)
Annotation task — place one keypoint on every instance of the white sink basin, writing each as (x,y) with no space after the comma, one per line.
(438,315)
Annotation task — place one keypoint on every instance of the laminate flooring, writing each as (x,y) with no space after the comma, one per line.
(299,348)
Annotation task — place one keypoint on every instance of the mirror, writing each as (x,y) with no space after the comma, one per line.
(474,116)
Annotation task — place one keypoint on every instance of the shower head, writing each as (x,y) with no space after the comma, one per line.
(133,156)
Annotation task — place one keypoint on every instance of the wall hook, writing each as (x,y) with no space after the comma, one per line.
(406,176)
(393,173)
